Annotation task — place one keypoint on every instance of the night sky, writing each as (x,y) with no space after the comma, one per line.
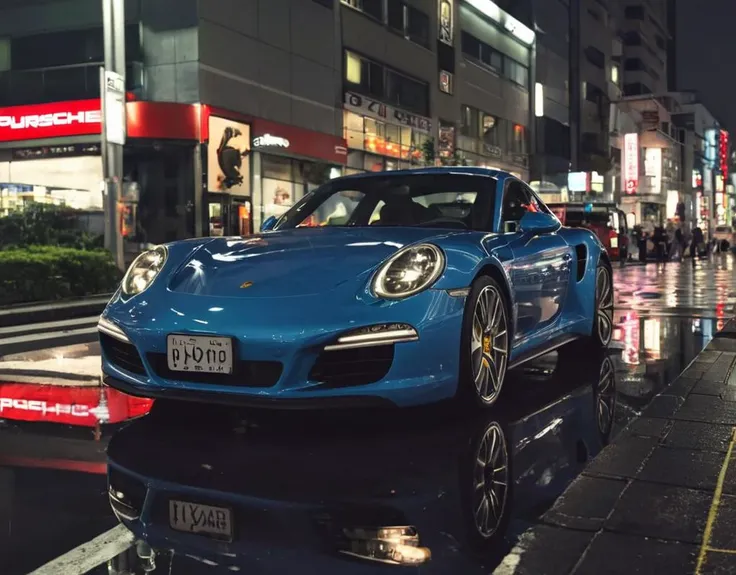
(706,54)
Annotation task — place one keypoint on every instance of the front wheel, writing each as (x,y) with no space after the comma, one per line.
(603,320)
(485,343)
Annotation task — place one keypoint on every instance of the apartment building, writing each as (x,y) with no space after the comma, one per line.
(435,81)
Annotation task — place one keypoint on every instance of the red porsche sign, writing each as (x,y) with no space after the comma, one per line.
(56,120)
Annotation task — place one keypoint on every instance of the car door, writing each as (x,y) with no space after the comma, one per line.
(540,267)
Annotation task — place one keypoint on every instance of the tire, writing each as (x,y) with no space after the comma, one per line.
(486,488)
(602,332)
(485,343)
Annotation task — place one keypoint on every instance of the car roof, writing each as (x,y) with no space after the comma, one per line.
(467,170)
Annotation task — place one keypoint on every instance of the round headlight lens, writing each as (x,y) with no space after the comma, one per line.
(143,271)
(409,271)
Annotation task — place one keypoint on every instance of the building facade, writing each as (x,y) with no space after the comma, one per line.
(237,108)
(435,81)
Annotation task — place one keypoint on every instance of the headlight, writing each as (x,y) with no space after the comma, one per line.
(143,270)
(409,271)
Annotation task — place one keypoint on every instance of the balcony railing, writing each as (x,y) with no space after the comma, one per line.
(78,82)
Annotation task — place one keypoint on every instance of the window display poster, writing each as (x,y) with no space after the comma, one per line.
(278,197)
(228,162)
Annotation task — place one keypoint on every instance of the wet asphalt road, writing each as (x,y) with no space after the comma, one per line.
(296,486)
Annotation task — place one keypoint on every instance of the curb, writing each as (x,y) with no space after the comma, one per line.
(53,311)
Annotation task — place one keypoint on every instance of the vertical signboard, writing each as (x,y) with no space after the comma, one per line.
(630,171)
(446,20)
(114,124)
(653,169)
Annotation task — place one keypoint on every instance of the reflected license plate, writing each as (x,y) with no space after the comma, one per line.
(201,519)
(200,354)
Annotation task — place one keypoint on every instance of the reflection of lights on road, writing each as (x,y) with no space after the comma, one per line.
(696,325)
(720,324)
(630,331)
(652,336)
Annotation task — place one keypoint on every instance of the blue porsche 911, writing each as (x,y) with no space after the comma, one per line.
(381,289)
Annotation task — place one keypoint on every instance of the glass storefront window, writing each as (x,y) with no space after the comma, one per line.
(354,131)
(277,167)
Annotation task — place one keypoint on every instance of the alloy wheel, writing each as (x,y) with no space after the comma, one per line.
(489,344)
(491,477)
(605,397)
(604,298)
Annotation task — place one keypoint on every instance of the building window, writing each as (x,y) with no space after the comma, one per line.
(518,139)
(632,39)
(615,74)
(634,12)
(364,75)
(481,52)
(385,84)
(595,57)
(634,64)
(373,8)
(411,23)
(4,54)
(516,72)
(384,139)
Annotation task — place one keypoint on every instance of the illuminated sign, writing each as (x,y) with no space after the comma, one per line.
(697,180)
(446,32)
(267,140)
(630,172)
(710,148)
(60,119)
(723,153)
(577,181)
(653,169)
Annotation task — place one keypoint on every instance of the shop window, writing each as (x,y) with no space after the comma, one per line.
(518,139)
(373,8)
(516,72)
(276,167)
(469,122)
(354,131)
(492,127)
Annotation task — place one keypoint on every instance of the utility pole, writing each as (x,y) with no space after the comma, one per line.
(574,84)
(112,96)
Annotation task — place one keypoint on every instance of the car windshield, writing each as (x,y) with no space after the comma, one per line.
(452,201)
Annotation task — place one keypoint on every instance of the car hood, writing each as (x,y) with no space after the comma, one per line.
(291,262)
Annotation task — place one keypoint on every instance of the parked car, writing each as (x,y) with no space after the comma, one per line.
(439,281)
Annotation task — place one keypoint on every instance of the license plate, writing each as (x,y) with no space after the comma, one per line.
(202,354)
(201,519)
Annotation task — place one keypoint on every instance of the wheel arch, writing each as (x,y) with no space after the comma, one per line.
(496,272)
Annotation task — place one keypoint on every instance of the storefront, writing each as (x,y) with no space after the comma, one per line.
(380,137)
(50,154)
(188,169)
(256,168)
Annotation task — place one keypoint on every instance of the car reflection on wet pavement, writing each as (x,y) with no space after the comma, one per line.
(349,492)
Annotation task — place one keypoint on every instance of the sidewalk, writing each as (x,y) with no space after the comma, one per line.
(76,365)
(662,497)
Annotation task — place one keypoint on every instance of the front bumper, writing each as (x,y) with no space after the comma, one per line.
(292,362)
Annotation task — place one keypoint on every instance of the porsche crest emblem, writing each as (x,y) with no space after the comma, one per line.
(246,285)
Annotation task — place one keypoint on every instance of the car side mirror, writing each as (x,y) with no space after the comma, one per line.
(269,223)
(538,223)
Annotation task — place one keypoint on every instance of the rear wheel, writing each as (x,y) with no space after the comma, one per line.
(485,343)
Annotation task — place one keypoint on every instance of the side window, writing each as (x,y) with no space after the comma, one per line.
(516,201)
(538,204)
